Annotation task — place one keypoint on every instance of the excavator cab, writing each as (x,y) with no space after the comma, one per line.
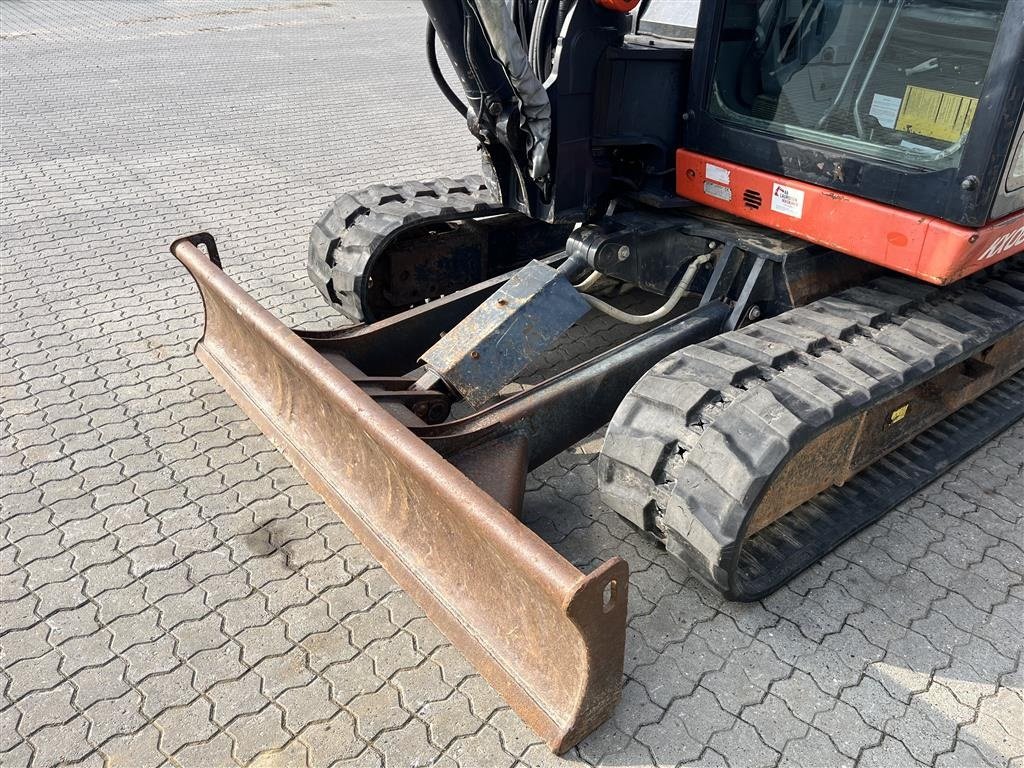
(820,202)
(914,106)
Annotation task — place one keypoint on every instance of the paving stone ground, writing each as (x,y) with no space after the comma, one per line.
(171,593)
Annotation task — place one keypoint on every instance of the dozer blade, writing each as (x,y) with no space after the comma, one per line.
(547,637)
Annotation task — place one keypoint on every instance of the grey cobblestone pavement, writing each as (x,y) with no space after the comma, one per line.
(171,593)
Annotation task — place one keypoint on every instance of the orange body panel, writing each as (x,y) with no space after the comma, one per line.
(621,6)
(927,248)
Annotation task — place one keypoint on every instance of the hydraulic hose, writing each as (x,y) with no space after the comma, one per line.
(548,19)
(588,282)
(435,70)
(660,312)
(542,19)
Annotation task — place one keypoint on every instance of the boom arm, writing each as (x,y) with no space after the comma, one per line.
(508,108)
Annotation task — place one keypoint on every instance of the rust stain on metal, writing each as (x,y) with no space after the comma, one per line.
(549,638)
(846,448)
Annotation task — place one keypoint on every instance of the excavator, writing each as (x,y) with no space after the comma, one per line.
(806,218)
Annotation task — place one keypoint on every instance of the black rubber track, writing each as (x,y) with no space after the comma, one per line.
(695,444)
(358,227)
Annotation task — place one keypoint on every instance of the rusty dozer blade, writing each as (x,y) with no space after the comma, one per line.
(549,638)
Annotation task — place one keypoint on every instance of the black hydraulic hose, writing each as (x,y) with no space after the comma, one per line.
(523,16)
(435,70)
(547,22)
(542,18)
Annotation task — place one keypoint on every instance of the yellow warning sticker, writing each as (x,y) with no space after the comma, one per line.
(936,114)
(899,414)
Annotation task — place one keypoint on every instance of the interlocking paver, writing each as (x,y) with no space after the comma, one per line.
(44,708)
(847,729)
(482,748)
(201,635)
(10,717)
(150,659)
(138,750)
(257,733)
(262,641)
(812,750)
(215,752)
(774,722)
(331,740)
(20,754)
(34,674)
(217,664)
(997,736)
(29,643)
(170,689)
(92,650)
(284,672)
(448,719)
(393,654)
(233,698)
(309,704)
(326,648)
(407,746)
(183,726)
(891,753)
(115,717)
(742,745)
(170,589)
(873,702)
(351,677)
(377,711)
(308,619)
(62,744)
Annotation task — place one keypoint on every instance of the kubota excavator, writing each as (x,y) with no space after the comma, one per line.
(820,201)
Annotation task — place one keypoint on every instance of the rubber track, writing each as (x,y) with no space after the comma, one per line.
(359,225)
(692,448)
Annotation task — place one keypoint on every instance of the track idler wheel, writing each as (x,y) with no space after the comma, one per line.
(381,250)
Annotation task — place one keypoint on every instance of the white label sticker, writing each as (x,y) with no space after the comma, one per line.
(716,173)
(788,200)
(886,109)
(717,190)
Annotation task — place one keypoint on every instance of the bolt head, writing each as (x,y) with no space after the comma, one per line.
(436,413)
(623,253)
(969,184)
